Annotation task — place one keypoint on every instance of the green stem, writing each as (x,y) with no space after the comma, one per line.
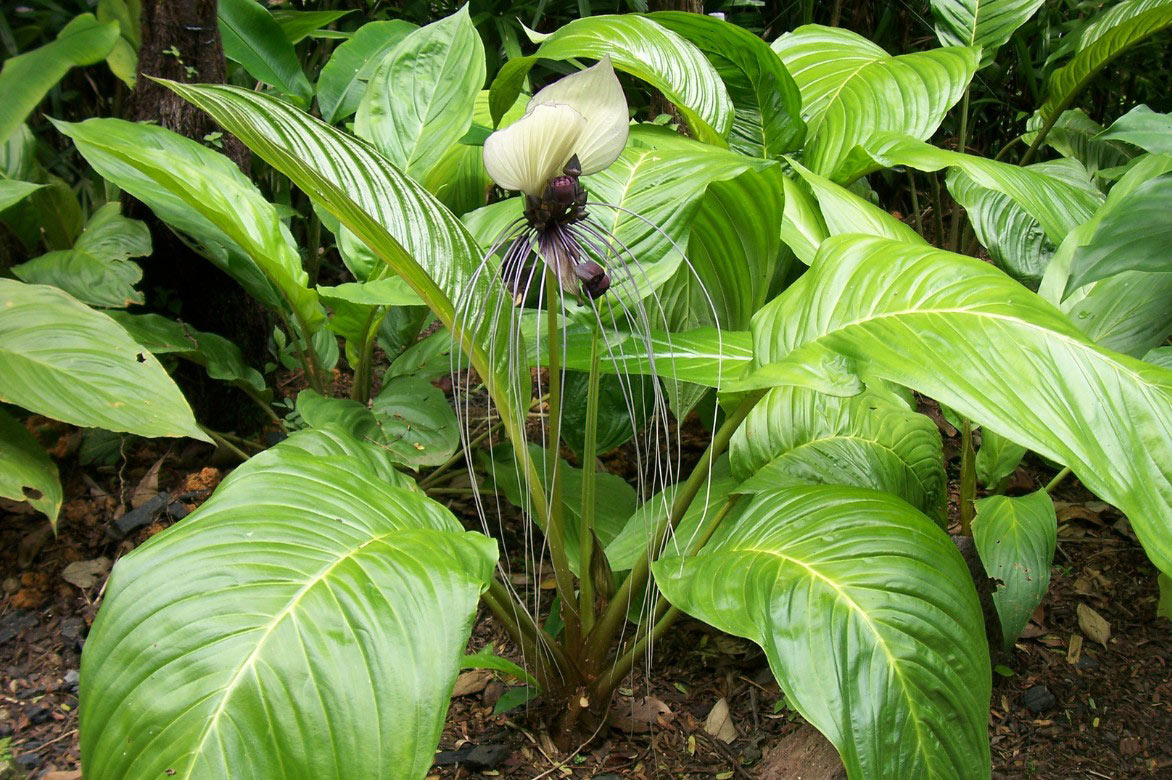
(968,479)
(602,636)
(1054,483)
(911,178)
(308,355)
(586,520)
(937,208)
(1038,139)
(313,248)
(961,143)
(529,638)
(362,375)
(222,442)
(554,522)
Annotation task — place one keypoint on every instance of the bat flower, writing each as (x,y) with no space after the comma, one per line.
(573,128)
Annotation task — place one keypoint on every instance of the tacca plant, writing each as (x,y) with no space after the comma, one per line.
(310,619)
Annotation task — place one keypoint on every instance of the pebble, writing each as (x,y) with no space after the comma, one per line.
(71,679)
(1038,699)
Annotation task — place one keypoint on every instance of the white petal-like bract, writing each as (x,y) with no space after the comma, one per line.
(583,114)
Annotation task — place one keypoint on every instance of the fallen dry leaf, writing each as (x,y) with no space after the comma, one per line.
(148,486)
(637,716)
(719,722)
(1093,625)
(86,574)
(470,682)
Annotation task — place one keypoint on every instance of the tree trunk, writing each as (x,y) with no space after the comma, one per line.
(181,42)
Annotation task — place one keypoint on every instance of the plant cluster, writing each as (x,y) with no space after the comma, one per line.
(588,274)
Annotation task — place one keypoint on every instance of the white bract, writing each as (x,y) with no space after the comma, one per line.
(584,113)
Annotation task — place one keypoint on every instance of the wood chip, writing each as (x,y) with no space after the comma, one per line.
(1074,650)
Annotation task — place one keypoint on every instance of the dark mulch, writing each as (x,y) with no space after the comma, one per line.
(1099,711)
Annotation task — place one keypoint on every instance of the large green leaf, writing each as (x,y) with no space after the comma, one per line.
(853,89)
(1144,128)
(62,359)
(419,100)
(803,228)
(704,356)
(222,359)
(98,269)
(123,58)
(417,421)
(1015,539)
(344,77)
(1135,21)
(297,25)
(869,619)
(405,226)
(988,24)
(767,107)
(1057,205)
(997,458)
(646,50)
(106,143)
(13,191)
(26,471)
(796,436)
(1134,234)
(843,211)
(962,332)
(321,637)
(26,78)
(253,38)
(1076,135)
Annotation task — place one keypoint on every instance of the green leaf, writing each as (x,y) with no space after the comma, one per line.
(1133,234)
(1160,356)
(27,78)
(113,148)
(13,191)
(1099,47)
(646,50)
(796,436)
(955,328)
(332,439)
(298,24)
(1015,539)
(411,232)
(853,89)
(1142,127)
(486,659)
(97,270)
(987,24)
(343,79)
(26,471)
(997,458)
(1076,135)
(845,212)
(704,356)
(419,99)
(62,359)
(417,422)
(321,638)
(614,497)
(123,58)
(1057,205)
(392,291)
(869,619)
(767,119)
(222,359)
(803,227)
(253,38)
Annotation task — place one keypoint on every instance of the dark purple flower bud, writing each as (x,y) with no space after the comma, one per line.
(595,282)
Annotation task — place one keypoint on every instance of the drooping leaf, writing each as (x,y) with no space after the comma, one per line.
(1133,234)
(98,269)
(988,24)
(253,38)
(767,117)
(487,659)
(704,356)
(1144,128)
(407,228)
(297,25)
(1057,205)
(62,359)
(868,617)
(843,211)
(646,50)
(344,77)
(853,89)
(1076,135)
(320,639)
(997,458)
(13,191)
(1160,356)
(123,58)
(106,143)
(222,359)
(965,334)
(26,471)
(1015,539)
(1133,21)
(803,228)
(419,100)
(27,78)
(796,436)
(614,498)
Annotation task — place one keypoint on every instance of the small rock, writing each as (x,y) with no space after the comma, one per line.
(28,760)
(1038,699)
(1129,746)
(1087,662)
(38,714)
(11,585)
(71,679)
(13,623)
(486,757)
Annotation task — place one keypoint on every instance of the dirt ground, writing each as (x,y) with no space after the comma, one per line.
(1063,704)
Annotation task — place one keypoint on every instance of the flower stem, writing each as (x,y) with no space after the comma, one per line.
(961,142)
(586,520)
(968,479)
(1058,478)
(603,634)
(554,523)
